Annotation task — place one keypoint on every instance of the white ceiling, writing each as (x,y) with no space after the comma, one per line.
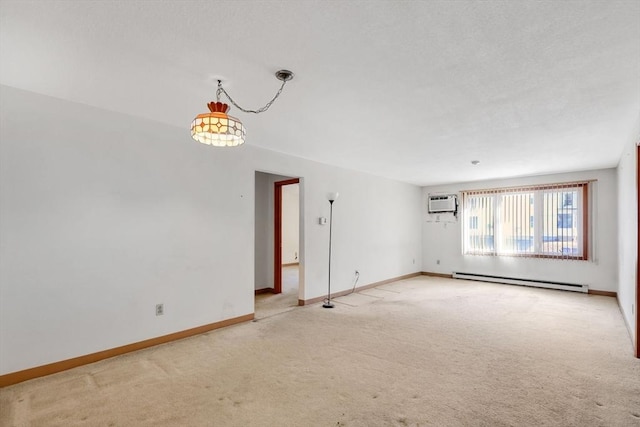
(408,90)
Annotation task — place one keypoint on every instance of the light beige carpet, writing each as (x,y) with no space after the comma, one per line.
(419,352)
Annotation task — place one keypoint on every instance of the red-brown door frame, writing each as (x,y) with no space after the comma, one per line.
(637,346)
(277,230)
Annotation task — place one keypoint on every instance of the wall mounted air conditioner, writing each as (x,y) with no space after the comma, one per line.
(446,203)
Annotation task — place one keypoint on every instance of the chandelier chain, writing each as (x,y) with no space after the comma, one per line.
(259,110)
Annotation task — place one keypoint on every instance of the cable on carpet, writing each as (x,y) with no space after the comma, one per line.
(355,282)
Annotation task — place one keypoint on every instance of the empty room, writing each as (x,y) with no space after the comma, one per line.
(319,213)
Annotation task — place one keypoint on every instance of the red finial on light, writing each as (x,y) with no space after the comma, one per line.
(218,107)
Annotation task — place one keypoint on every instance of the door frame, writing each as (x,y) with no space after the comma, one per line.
(277,231)
(637,337)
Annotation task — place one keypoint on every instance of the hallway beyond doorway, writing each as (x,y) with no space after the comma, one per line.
(267,305)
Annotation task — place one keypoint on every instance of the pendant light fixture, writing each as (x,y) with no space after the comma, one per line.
(219,129)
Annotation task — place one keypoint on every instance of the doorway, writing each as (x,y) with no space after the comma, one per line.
(278,243)
(637,346)
(286,232)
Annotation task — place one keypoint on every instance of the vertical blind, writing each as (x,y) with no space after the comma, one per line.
(539,221)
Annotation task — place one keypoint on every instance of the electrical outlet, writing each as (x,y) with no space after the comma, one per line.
(159,309)
(357,273)
(438,261)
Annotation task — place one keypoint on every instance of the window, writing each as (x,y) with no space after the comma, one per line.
(473,223)
(480,212)
(568,200)
(543,221)
(565,220)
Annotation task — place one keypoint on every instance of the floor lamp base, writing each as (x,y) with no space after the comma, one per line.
(328,305)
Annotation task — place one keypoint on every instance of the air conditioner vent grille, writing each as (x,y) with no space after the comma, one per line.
(443,203)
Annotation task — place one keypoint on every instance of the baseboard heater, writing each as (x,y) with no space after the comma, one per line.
(522,282)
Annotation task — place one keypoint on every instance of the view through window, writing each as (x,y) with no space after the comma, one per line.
(541,221)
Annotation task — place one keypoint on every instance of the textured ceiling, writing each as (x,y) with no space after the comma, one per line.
(408,90)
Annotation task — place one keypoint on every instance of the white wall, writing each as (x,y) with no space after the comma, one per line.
(290,223)
(628,233)
(442,240)
(264,228)
(103,215)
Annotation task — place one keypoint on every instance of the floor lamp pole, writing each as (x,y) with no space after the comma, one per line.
(328,303)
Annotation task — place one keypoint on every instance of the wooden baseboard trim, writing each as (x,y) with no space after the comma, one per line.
(358,289)
(444,276)
(290,264)
(264,291)
(603,293)
(63,365)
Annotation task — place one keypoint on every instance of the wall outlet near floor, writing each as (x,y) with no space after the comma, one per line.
(438,261)
(159,309)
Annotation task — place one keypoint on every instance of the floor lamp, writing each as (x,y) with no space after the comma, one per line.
(332,198)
